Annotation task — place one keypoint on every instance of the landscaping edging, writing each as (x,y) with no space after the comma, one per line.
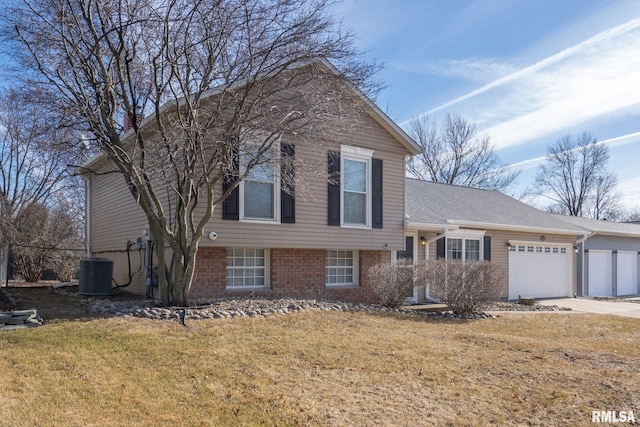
(131,306)
(227,309)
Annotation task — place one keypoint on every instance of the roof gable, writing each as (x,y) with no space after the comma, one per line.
(371,108)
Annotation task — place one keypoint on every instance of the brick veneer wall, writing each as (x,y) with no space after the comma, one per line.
(296,273)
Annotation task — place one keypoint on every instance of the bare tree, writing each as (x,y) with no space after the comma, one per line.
(453,153)
(574,177)
(631,215)
(215,78)
(45,234)
(33,181)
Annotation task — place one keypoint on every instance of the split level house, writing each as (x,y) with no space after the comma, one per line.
(321,242)
(318,242)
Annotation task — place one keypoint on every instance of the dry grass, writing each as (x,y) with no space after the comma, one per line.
(321,368)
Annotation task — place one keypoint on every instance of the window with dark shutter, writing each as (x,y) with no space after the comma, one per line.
(287,192)
(333,217)
(487,248)
(440,248)
(231,205)
(376,199)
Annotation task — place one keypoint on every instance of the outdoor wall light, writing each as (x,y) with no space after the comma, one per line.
(508,243)
(423,241)
(575,248)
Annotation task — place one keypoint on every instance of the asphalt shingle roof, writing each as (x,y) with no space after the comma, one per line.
(444,204)
(602,227)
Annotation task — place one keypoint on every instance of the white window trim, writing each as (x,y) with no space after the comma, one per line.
(361,155)
(356,270)
(267,273)
(276,191)
(465,235)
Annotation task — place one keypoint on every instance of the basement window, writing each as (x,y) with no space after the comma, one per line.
(247,268)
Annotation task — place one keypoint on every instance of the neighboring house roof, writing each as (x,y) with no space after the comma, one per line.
(609,228)
(442,206)
(374,111)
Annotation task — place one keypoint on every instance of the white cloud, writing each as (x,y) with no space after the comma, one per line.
(594,78)
(597,83)
(472,69)
(631,194)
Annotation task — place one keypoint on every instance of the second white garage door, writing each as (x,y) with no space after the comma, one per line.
(599,273)
(539,270)
(627,273)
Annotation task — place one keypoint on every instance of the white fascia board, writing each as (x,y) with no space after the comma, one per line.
(420,226)
(509,227)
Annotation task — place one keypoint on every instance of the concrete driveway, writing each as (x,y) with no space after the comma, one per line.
(587,305)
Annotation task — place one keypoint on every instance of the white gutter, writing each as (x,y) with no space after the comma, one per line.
(87,213)
(486,225)
(585,237)
(581,242)
(421,226)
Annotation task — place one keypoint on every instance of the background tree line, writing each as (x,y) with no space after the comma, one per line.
(41,204)
(573,177)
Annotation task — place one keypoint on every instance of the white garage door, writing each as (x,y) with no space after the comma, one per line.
(627,273)
(539,270)
(599,273)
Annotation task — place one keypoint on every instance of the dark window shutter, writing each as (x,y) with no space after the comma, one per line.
(287,191)
(334,188)
(487,248)
(231,205)
(440,248)
(376,197)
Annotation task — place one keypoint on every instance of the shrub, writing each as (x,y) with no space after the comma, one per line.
(465,286)
(392,283)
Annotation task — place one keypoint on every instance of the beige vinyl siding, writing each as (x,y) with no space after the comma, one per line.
(121,272)
(114,215)
(500,253)
(114,219)
(310,229)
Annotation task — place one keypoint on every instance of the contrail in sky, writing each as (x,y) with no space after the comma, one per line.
(598,38)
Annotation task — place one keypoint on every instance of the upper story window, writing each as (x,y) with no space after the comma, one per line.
(259,192)
(355,187)
(267,193)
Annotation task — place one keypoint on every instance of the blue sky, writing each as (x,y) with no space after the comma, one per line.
(526,72)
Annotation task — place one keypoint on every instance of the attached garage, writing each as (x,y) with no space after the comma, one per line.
(627,273)
(599,269)
(539,270)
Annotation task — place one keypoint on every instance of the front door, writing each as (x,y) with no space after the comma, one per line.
(409,254)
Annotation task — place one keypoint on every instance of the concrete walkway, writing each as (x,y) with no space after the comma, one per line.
(587,305)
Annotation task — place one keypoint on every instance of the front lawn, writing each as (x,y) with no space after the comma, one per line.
(322,368)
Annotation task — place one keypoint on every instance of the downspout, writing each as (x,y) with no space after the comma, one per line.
(87,213)
(581,242)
